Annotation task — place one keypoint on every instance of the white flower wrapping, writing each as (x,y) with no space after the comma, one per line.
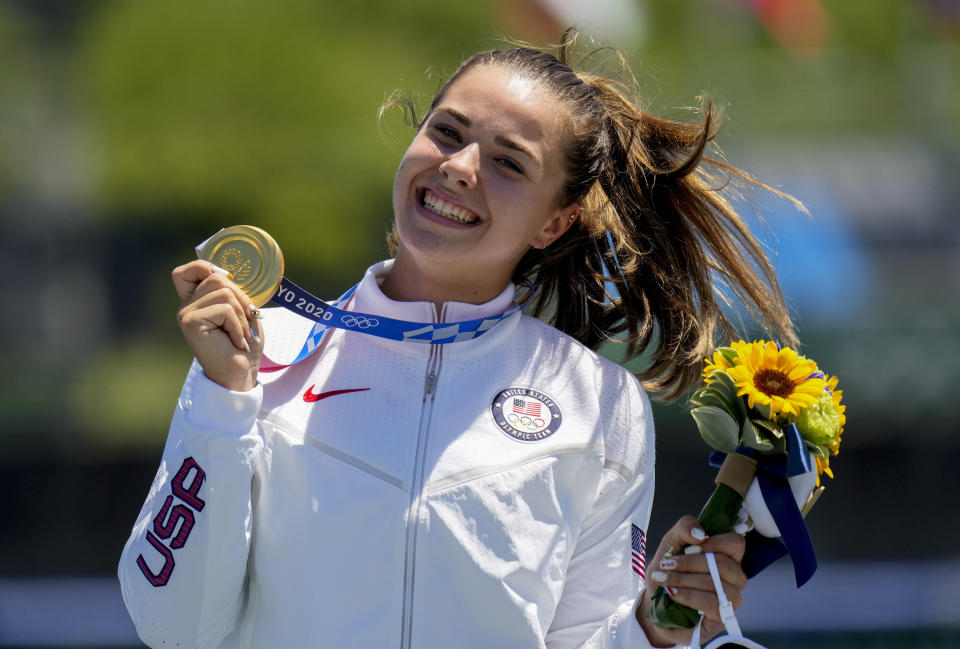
(755,510)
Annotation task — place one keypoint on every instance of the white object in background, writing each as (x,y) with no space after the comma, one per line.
(622,22)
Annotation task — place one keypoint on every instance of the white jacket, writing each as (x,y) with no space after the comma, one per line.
(377,495)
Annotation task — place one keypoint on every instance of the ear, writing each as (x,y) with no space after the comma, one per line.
(558,223)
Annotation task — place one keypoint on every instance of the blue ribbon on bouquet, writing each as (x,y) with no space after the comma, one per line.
(772,474)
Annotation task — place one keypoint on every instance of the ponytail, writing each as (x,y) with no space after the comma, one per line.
(680,243)
(658,251)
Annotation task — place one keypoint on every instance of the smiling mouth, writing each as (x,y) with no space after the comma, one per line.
(440,207)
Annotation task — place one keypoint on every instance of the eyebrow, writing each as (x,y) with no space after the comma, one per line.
(499,139)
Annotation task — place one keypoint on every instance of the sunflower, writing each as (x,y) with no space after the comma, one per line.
(776,377)
(718,362)
(721,359)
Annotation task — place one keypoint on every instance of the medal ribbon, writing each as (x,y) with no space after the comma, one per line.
(331,316)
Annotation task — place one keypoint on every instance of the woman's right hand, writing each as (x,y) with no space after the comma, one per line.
(220,326)
(687,576)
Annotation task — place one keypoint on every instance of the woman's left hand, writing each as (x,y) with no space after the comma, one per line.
(687,577)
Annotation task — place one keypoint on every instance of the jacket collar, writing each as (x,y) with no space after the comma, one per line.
(370,299)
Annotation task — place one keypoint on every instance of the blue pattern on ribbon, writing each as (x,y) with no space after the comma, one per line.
(327,316)
(772,474)
(315,337)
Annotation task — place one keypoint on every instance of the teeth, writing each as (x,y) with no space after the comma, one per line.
(438,206)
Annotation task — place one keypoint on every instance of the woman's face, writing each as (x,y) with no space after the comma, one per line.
(479,183)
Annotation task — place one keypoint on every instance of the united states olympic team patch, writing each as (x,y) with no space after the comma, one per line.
(525,414)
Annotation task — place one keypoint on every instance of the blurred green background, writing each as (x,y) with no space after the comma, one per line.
(130,131)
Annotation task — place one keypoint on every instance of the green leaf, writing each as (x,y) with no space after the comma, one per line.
(764,410)
(773,434)
(751,437)
(668,614)
(729,354)
(708,396)
(697,397)
(770,427)
(723,383)
(717,427)
(719,377)
(741,407)
(819,451)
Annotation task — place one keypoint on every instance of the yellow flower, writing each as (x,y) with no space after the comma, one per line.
(717,363)
(823,466)
(837,412)
(837,396)
(775,377)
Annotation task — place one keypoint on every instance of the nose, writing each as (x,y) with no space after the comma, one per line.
(461,166)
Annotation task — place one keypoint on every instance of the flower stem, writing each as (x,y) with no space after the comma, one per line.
(716,517)
(720,512)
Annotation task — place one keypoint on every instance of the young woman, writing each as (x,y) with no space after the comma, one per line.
(491,492)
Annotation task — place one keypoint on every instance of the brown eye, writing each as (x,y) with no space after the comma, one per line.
(507,163)
(447,131)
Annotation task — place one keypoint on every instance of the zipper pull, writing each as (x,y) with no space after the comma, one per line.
(431,383)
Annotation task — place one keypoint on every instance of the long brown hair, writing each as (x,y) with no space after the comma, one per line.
(654,226)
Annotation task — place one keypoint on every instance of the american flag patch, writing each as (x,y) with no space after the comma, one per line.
(638,547)
(524,407)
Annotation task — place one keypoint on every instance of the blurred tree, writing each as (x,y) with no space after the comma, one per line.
(190,117)
(263,111)
(882,67)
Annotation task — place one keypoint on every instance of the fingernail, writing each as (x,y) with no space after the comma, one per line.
(668,553)
(223,271)
(246,345)
(254,312)
(668,564)
(740,528)
(698,534)
(692,549)
(253,334)
(673,591)
(658,576)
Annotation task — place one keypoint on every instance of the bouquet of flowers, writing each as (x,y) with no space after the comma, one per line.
(773,419)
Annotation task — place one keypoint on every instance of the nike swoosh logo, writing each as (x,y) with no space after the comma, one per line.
(310,396)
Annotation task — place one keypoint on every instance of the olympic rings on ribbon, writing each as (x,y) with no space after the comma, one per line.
(358,321)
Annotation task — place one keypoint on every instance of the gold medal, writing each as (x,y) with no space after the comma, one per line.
(251,256)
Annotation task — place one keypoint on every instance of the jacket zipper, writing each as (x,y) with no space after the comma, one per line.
(416,499)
